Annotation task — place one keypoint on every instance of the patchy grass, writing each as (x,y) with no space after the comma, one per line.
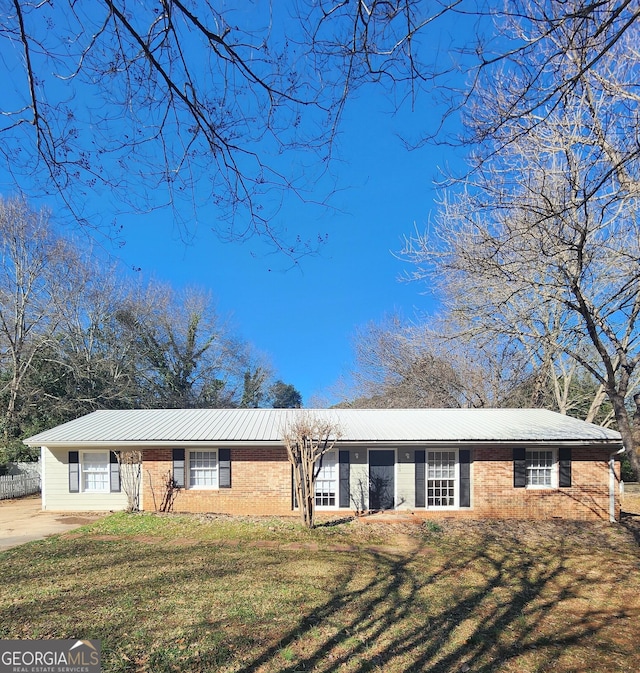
(631,503)
(191,594)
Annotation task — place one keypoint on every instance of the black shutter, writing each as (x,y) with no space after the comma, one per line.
(519,467)
(114,473)
(420,484)
(178,468)
(464,458)
(343,479)
(74,472)
(224,468)
(564,460)
(294,497)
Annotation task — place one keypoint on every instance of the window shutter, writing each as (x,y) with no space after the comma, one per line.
(519,467)
(564,460)
(464,457)
(294,498)
(420,485)
(74,472)
(178,468)
(343,479)
(114,473)
(224,468)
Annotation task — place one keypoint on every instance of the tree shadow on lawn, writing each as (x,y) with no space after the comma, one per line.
(632,523)
(485,608)
(487,602)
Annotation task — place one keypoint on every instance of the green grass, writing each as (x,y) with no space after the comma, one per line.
(212,528)
(190,594)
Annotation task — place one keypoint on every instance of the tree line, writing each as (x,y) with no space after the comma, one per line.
(425,363)
(77,334)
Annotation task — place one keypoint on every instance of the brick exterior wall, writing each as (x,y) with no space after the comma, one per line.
(261,485)
(493,494)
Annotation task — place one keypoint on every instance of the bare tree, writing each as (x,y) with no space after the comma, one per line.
(96,362)
(35,262)
(396,366)
(186,104)
(544,244)
(539,55)
(130,463)
(428,363)
(307,438)
(521,45)
(180,103)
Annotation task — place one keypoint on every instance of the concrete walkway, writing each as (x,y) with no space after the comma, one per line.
(23,520)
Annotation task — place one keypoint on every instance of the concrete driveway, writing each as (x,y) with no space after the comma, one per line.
(23,520)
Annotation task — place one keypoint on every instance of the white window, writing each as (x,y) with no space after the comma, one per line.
(203,469)
(95,471)
(540,470)
(441,479)
(327,481)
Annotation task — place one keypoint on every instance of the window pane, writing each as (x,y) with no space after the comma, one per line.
(95,471)
(203,469)
(441,473)
(327,481)
(539,468)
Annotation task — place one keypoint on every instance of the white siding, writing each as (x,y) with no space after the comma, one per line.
(359,479)
(405,479)
(43,474)
(55,488)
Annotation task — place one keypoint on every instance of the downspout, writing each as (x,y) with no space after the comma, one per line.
(612,483)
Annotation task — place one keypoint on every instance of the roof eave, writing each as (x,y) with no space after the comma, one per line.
(165,444)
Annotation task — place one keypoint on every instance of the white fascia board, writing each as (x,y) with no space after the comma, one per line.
(168,444)
(470,443)
(147,444)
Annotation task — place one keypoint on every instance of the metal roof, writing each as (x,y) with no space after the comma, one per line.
(175,426)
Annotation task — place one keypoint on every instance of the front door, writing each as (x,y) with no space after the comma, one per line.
(381,479)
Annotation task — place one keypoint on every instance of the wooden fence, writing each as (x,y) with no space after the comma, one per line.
(17,485)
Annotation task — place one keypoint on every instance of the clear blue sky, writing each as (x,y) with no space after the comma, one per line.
(304,318)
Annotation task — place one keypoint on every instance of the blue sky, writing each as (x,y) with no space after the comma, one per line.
(304,318)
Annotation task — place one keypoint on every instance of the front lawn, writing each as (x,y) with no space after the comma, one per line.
(186,594)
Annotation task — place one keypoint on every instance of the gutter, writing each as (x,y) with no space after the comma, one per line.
(612,483)
(346,443)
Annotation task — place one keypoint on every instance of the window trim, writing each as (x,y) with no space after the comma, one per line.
(77,461)
(553,469)
(335,480)
(198,487)
(456,481)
